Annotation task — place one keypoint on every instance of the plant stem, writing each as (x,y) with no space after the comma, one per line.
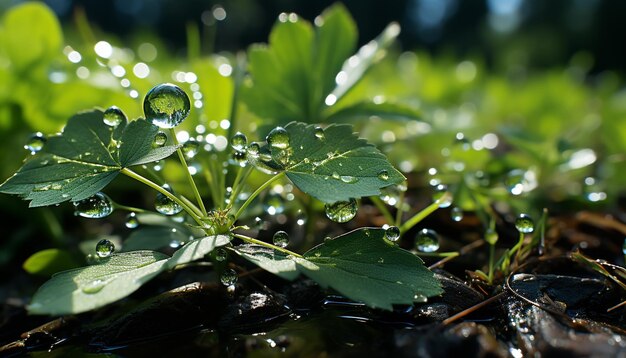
(163,191)
(257,192)
(383,209)
(191,205)
(194,188)
(439,254)
(492,253)
(515,249)
(419,217)
(400,206)
(242,175)
(129,208)
(266,244)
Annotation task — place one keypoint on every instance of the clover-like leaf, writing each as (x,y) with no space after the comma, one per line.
(196,249)
(270,260)
(82,160)
(334,165)
(87,288)
(364,266)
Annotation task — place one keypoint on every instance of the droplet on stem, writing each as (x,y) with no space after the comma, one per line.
(166,105)
(95,207)
(281,239)
(165,205)
(524,224)
(442,196)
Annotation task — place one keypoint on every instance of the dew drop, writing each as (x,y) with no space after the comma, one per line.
(35,142)
(319,133)
(281,239)
(159,139)
(229,277)
(240,157)
(278,138)
(113,116)
(92,287)
(348,179)
(383,175)
(166,105)
(456,214)
(491,236)
(95,207)
(104,248)
(221,255)
(442,196)
(239,142)
(427,240)
(253,149)
(392,233)
(524,224)
(341,211)
(131,220)
(164,205)
(190,148)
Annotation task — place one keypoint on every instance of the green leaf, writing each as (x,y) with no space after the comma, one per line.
(31,34)
(356,66)
(46,262)
(82,160)
(363,266)
(153,238)
(196,249)
(364,110)
(270,260)
(94,286)
(337,167)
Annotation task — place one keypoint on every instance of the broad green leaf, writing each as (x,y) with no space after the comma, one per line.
(94,286)
(270,260)
(82,160)
(364,110)
(355,67)
(338,166)
(154,237)
(47,262)
(363,266)
(30,35)
(196,249)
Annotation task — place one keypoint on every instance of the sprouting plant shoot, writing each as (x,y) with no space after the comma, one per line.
(330,164)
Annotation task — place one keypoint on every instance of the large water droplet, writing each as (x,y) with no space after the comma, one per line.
(456,214)
(229,277)
(95,207)
(159,139)
(190,148)
(442,196)
(93,287)
(104,248)
(35,142)
(166,105)
(239,142)
(392,233)
(319,133)
(164,205)
(427,240)
(281,239)
(341,211)
(113,116)
(524,224)
(131,220)
(278,138)
(383,175)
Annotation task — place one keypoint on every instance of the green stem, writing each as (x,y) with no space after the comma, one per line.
(192,206)
(242,175)
(194,188)
(492,253)
(400,205)
(268,245)
(257,192)
(163,191)
(439,254)
(419,217)
(129,208)
(383,209)
(517,246)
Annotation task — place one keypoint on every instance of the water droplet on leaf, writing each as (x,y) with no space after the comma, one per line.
(35,142)
(104,248)
(427,240)
(524,224)
(392,233)
(442,196)
(159,139)
(383,175)
(92,287)
(164,205)
(166,105)
(239,141)
(95,207)
(113,116)
(341,211)
(131,220)
(319,133)
(278,138)
(281,239)
(229,277)
(456,214)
